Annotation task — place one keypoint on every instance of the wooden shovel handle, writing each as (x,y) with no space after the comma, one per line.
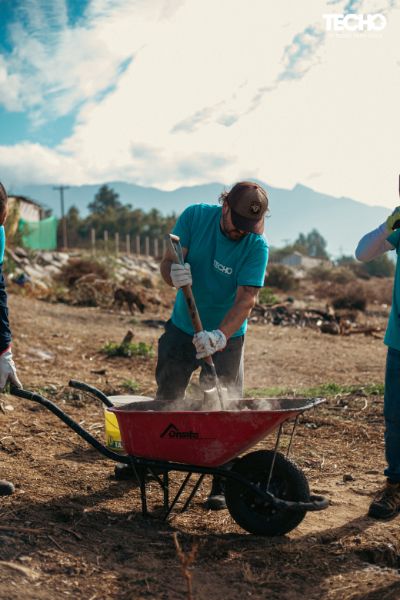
(187,291)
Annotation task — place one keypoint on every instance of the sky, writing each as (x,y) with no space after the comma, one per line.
(171,93)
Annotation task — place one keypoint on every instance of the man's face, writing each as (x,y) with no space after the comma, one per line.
(228,227)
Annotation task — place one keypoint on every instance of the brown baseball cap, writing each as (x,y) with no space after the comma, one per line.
(248,202)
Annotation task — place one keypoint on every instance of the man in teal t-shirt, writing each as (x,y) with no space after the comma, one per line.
(226,257)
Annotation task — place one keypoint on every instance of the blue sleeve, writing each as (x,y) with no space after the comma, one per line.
(183,226)
(253,271)
(394,239)
(2,243)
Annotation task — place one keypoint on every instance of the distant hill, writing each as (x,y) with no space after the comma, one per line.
(341,221)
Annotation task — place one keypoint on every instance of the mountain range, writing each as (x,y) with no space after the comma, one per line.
(341,221)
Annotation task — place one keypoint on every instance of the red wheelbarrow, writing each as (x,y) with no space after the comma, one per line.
(266,493)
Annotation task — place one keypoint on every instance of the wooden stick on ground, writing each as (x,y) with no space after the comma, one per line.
(186,561)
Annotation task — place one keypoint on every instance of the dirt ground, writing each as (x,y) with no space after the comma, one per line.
(71,530)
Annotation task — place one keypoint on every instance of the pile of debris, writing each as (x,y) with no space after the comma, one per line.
(72,278)
(339,322)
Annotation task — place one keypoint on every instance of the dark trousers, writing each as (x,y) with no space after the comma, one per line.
(392,415)
(177,361)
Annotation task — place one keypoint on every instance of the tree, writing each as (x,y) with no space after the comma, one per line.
(104,201)
(73,226)
(382,266)
(346,260)
(107,213)
(277,254)
(312,244)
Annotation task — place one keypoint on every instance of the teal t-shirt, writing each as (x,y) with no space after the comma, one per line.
(392,336)
(219,266)
(2,243)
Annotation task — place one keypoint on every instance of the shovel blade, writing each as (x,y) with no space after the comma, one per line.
(212,401)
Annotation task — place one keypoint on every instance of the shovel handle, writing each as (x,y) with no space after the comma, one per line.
(175,244)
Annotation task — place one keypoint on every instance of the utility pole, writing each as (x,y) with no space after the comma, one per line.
(61,189)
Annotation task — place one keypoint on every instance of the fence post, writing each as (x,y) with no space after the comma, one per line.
(164,246)
(147,246)
(137,240)
(128,244)
(105,241)
(156,248)
(116,243)
(93,240)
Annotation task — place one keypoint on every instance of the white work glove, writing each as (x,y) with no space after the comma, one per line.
(181,275)
(8,371)
(208,342)
(391,220)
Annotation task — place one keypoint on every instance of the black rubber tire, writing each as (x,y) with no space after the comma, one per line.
(288,482)
(6,488)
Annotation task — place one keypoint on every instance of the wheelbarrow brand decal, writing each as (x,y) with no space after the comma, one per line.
(173,432)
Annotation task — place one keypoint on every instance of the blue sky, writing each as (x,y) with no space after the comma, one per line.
(169,93)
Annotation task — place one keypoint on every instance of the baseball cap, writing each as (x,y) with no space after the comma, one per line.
(248,202)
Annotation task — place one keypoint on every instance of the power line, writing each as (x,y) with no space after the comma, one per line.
(61,189)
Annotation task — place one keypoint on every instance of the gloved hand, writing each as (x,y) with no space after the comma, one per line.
(8,371)
(390,221)
(208,342)
(181,275)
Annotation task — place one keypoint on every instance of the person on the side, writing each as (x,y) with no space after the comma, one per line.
(7,367)
(386,237)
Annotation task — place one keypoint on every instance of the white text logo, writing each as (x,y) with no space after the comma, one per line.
(353,22)
(226,270)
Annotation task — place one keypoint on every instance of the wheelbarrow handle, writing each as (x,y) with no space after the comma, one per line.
(88,437)
(85,387)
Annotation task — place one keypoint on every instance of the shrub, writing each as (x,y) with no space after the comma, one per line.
(281,277)
(78,267)
(266,296)
(333,274)
(353,298)
(382,266)
(130,385)
(128,349)
(320,273)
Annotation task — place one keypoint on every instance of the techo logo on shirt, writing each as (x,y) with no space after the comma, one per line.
(222,268)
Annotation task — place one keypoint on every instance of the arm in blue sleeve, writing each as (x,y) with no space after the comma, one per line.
(374,244)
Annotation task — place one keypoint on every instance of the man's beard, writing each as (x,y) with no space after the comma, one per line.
(230,231)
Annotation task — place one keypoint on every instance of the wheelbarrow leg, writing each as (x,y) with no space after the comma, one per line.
(166,489)
(192,493)
(278,439)
(178,495)
(292,436)
(143,496)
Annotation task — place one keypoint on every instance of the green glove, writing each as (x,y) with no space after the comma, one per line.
(393,220)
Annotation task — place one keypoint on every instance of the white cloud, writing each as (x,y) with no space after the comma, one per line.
(214,91)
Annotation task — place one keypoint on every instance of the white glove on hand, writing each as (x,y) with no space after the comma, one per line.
(8,371)
(390,221)
(181,275)
(208,342)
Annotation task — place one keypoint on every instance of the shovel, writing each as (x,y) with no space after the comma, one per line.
(197,326)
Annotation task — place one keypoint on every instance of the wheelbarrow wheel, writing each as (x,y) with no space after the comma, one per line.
(288,482)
